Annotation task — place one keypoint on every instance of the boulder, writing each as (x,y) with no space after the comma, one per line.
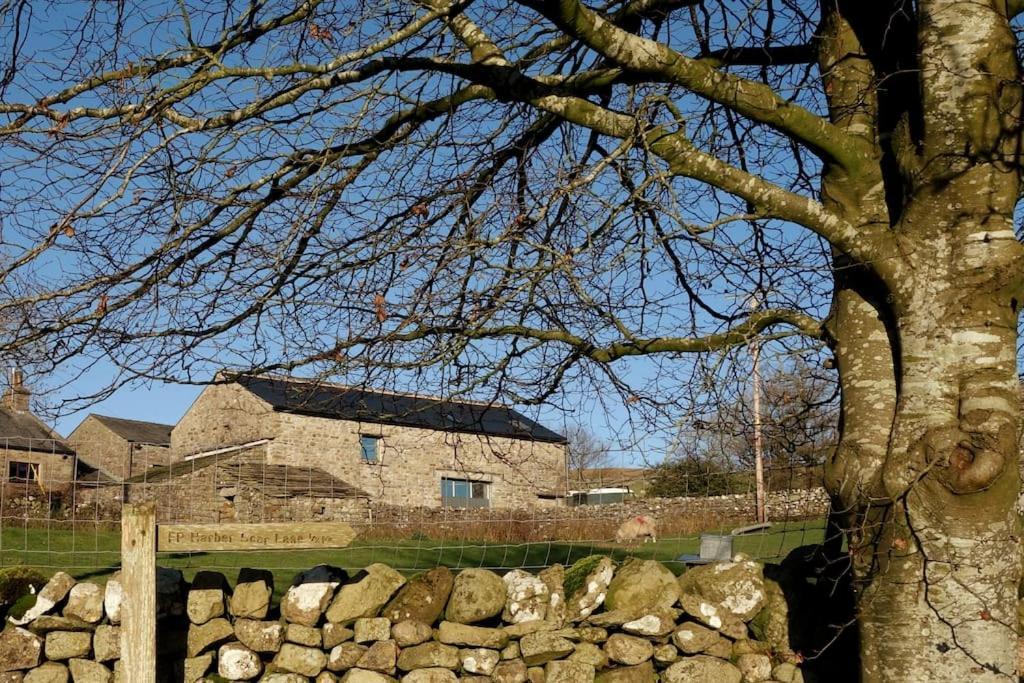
(345,656)
(310,594)
(642,585)
(85,602)
(554,578)
(113,596)
(335,634)
(261,636)
(429,655)
(430,676)
(206,597)
(477,594)
(526,597)
(479,660)
(55,590)
(365,676)
(213,632)
(641,673)
(542,647)
(196,667)
(735,588)
(693,638)
(88,671)
(381,656)
(591,654)
(568,671)
(303,635)
(701,669)
(106,643)
(62,645)
(306,661)
(365,597)
(628,650)
(410,632)
(509,671)
(19,649)
(236,662)
(754,668)
(423,598)
(586,585)
(655,624)
(713,615)
(253,592)
(50,672)
(370,629)
(471,636)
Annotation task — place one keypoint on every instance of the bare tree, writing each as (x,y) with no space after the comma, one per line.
(585,451)
(494,197)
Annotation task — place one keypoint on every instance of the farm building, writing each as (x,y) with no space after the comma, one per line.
(35,459)
(118,448)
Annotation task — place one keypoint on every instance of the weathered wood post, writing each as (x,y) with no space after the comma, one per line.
(138,580)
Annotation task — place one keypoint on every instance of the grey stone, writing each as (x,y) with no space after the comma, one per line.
(615,617)
(55,590)
(113,596)
(477,594)
(471,636)
(300,660)
(85,602)
(303,635)
(310,594)
(345,656)
(509,671)
(106,643)
(335,634)
(253,592)
(371,629)
(429,655)
(642,585)
(19,649)
(568,671)
(206,597)
(658,623)
(554,578)
(381,657)
(50,672)
(196,667)
(628,650)
(591,577)
(88,671)
(236,662)
(423,598)
(479,660)
(693,638)
(410,632)
(373,588)
(213,632)
(436,675)
(261,636)
(526,597)
(62,645)
(735,588)
(542,647)
(701,669)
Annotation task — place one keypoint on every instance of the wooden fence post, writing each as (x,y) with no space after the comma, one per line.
(138,580)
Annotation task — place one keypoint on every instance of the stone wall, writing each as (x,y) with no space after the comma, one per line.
(594,621)
(222,415)
(54,470)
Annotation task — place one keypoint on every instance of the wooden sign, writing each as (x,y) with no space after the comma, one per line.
(277,536)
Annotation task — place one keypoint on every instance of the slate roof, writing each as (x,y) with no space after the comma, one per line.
(137,431)
(26,432)
(307,397)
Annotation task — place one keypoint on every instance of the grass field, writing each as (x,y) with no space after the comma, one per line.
(93,554)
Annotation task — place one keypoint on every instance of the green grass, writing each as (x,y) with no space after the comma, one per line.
(94,553)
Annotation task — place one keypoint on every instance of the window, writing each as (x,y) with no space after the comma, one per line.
(463,493)
(21,471)
(368,447)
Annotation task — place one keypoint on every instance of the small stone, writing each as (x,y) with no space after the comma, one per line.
(693,638)
(701,669)
(55,590)
(591,575)
(527,627)
(410,632)
(236,662)
(666,654)
(345,656)
(381,657)
(303,635)
(261,636)
(721,648)
(568,671)
(19,649)
(206,597)
(325,677)
(372,589)
(213,632)
(510,651)
(754,668)
(371,629)
(335,634)
(747,646)
(591,634)
(628,650)
(435,675)
(554,578)
(106,643)
(471,636)
(477,594)
(11,677)
(509,671)
(655,624)
(423,598)
(283,677)
(50,672)
(252,595)
(62,645)
(113,596)
(535,674)
(52,622)
(196,667)
(641,673)
(88,671)
(479,660)
(788,673)
(310,594)
(365,676)
(591,654)
(526,599)
(300,660)
(85,602)
(542,647)
(429,655)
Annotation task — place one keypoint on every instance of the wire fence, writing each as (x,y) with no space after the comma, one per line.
(60,511)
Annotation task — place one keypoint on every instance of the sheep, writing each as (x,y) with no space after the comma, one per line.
(637,527)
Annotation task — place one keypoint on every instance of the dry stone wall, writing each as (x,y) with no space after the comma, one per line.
(593,621)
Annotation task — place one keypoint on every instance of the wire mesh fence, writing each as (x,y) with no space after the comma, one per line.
(59,512)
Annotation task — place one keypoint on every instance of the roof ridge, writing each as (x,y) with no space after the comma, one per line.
(131,419)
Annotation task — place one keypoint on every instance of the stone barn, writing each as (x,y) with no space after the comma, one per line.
(120,448)
(35,459)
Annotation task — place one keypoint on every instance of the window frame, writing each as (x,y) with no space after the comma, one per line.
(478,492)
(364,455)
(30,468)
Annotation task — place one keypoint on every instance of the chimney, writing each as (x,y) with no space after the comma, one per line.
(16,397)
